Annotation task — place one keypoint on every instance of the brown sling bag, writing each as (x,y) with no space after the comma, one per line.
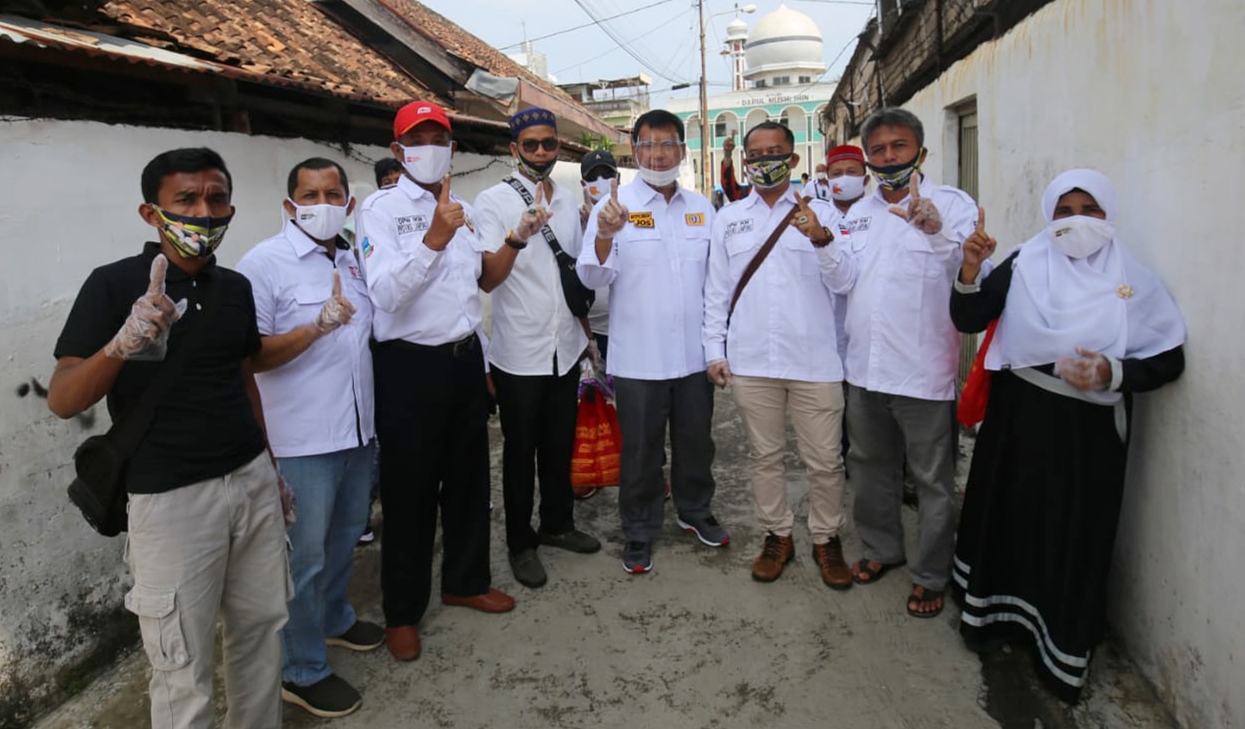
(756,261)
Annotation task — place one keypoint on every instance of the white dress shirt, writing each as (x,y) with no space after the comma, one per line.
(531,321)
(322,401)
(783,326)
(656,273)
(900,339)
(421,295)
(818,191)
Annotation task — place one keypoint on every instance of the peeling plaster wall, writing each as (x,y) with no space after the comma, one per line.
(1149,92)
(69,195)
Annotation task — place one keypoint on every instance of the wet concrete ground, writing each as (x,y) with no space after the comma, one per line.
(695,644)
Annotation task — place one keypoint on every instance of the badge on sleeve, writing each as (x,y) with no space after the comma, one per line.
(641,220)
(695,218)
(367,247)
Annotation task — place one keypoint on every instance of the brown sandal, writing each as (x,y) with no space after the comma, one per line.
(922,595)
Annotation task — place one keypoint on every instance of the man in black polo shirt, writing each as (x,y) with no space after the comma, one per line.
(205,516)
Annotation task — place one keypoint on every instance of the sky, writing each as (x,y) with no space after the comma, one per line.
(662,32)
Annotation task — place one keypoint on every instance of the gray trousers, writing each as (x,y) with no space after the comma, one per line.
(644,408)
(883,429)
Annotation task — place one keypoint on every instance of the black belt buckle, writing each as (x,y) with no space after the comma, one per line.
(463,346)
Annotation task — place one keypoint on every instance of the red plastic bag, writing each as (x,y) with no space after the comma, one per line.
(976,394)
(598,446)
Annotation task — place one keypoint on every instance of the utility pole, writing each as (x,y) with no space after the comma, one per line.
(706,178)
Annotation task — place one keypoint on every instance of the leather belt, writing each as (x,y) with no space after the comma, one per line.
(466,345)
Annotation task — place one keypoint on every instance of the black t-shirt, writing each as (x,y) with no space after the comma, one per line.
(204,427)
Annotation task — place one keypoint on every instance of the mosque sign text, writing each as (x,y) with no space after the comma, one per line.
(773,99)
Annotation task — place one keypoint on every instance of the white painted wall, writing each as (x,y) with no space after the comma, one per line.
(1150,93)
(69,195)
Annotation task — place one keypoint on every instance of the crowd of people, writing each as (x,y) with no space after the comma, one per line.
(825,303)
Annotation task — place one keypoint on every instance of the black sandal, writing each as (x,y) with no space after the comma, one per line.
(861,567)
(926,597)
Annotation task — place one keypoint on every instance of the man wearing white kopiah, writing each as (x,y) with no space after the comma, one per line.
(530,229)
(315,378)
(905,246)
(770,329)
(650,244)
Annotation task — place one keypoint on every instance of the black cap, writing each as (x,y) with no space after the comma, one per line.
(597,158)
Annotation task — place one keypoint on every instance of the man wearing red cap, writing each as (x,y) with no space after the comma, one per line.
(422,259)
(845,173)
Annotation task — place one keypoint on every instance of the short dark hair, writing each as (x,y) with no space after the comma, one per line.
(316,163)
(187,159)
(656,119)
(786,132)
(891,116)
(386,167)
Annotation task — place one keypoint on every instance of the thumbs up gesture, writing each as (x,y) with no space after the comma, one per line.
(336,311)
(144,335)
(921,211)
(535,217)
(446,220)
(978,246)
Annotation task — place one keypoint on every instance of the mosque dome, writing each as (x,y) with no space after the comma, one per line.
(784,40)
(737,30)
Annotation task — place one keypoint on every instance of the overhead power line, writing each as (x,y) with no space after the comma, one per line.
(585,25)
(645,62)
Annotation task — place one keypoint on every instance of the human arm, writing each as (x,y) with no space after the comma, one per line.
(396,270)
(503,242)
(975,305)
(597,264)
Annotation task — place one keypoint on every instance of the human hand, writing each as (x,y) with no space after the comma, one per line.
(144,335)
(977,248)
(448,217)
(806,222)
(613,215)
(336,311)
(594,354)
(1089,371)
(534,217)
(921,211)
(719,372)
(289,504)
(728,147)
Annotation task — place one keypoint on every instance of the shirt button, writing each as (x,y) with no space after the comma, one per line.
(181,657)
(198,307)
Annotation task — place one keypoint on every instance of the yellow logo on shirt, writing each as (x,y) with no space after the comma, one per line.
(695,218)
(641,220)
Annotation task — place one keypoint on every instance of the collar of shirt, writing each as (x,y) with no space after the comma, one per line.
(647,193)
(754,198)
(175,273)
(413,189)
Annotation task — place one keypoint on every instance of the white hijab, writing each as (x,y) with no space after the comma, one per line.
(1107,302)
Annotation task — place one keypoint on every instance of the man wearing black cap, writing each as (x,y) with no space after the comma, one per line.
(523,222)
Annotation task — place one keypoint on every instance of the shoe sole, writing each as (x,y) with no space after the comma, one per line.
(290,697)
(689,528)
(361,647)
(637,569)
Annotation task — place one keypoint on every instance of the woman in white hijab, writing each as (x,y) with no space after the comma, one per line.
(1081,327)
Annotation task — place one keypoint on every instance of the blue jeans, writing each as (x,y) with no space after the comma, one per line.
(332,490)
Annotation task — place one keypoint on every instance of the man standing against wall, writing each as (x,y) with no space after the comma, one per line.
(315,368)
(206,533)
(536,345)
(423,261)
(650,244)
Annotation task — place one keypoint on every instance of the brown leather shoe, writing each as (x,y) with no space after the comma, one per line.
(834,571)
(493,601)
(776,553)
(403,642)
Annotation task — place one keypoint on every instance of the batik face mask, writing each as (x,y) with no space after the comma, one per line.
(895,177)
(769,171)
(533,170)
(190,236)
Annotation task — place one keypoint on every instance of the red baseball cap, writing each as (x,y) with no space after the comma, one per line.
(845,151)
(416,112)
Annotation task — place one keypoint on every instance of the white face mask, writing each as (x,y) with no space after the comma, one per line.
(1080,236)
(428,163)
(821,176)
(320,222)
(597,189)
(660,178)
(847,187)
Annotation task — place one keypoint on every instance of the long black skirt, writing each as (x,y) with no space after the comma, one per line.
(1038,527)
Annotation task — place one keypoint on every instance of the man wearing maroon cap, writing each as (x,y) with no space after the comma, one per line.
(846,177)
(422,260)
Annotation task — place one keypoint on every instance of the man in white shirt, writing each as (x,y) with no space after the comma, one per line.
(819,187)
(314,372)
(423,260)
(537,342)
(902,356)
(774,341)
(649,241)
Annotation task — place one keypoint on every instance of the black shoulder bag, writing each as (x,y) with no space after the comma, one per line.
(578,297)
(99,490)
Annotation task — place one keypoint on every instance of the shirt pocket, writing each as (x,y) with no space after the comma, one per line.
(695,244)
(643,246)
(313,294)
(800,251)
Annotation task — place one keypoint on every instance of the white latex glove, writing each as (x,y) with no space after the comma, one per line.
(535,217)
(145,334)
(613,215)
(921,211)
(1090,371)
(336,311)
(719,372)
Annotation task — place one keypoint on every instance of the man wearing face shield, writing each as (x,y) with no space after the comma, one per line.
(904,245)
(537,342)
(206,533)
(649,241)
(315,376)
(423,260)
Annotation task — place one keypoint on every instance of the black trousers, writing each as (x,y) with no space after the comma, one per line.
(538,425)
(432,415)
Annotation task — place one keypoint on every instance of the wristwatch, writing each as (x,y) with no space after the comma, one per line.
(513,242)
(828,241)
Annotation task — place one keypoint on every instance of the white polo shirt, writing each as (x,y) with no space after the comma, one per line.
(421,295)
(784,325)
(656,274)
(531,321)
(322,400)
(900,339)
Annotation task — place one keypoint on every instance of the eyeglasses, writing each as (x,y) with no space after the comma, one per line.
(605,174)
(666,146)
(548,143)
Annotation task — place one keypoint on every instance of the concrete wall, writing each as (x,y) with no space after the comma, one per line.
(69,195)
(1149,92)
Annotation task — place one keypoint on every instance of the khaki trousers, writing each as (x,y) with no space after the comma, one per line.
(816,410)
(214,546)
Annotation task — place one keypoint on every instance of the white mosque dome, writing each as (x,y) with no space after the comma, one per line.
(784,40)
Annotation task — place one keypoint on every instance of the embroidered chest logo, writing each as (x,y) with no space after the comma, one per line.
(738,226)
(354,272)
(411,224)
(641,220)
(695,218)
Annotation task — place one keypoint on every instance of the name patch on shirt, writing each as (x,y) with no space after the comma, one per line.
(859,224)
(695,218)
(641,220)
(354,272)
(738,226)
(412,224)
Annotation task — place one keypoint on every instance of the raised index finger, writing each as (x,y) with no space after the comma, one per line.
(337,285)
(914,186)
(159,267)
(981,219)
(614,188)
(445,190)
